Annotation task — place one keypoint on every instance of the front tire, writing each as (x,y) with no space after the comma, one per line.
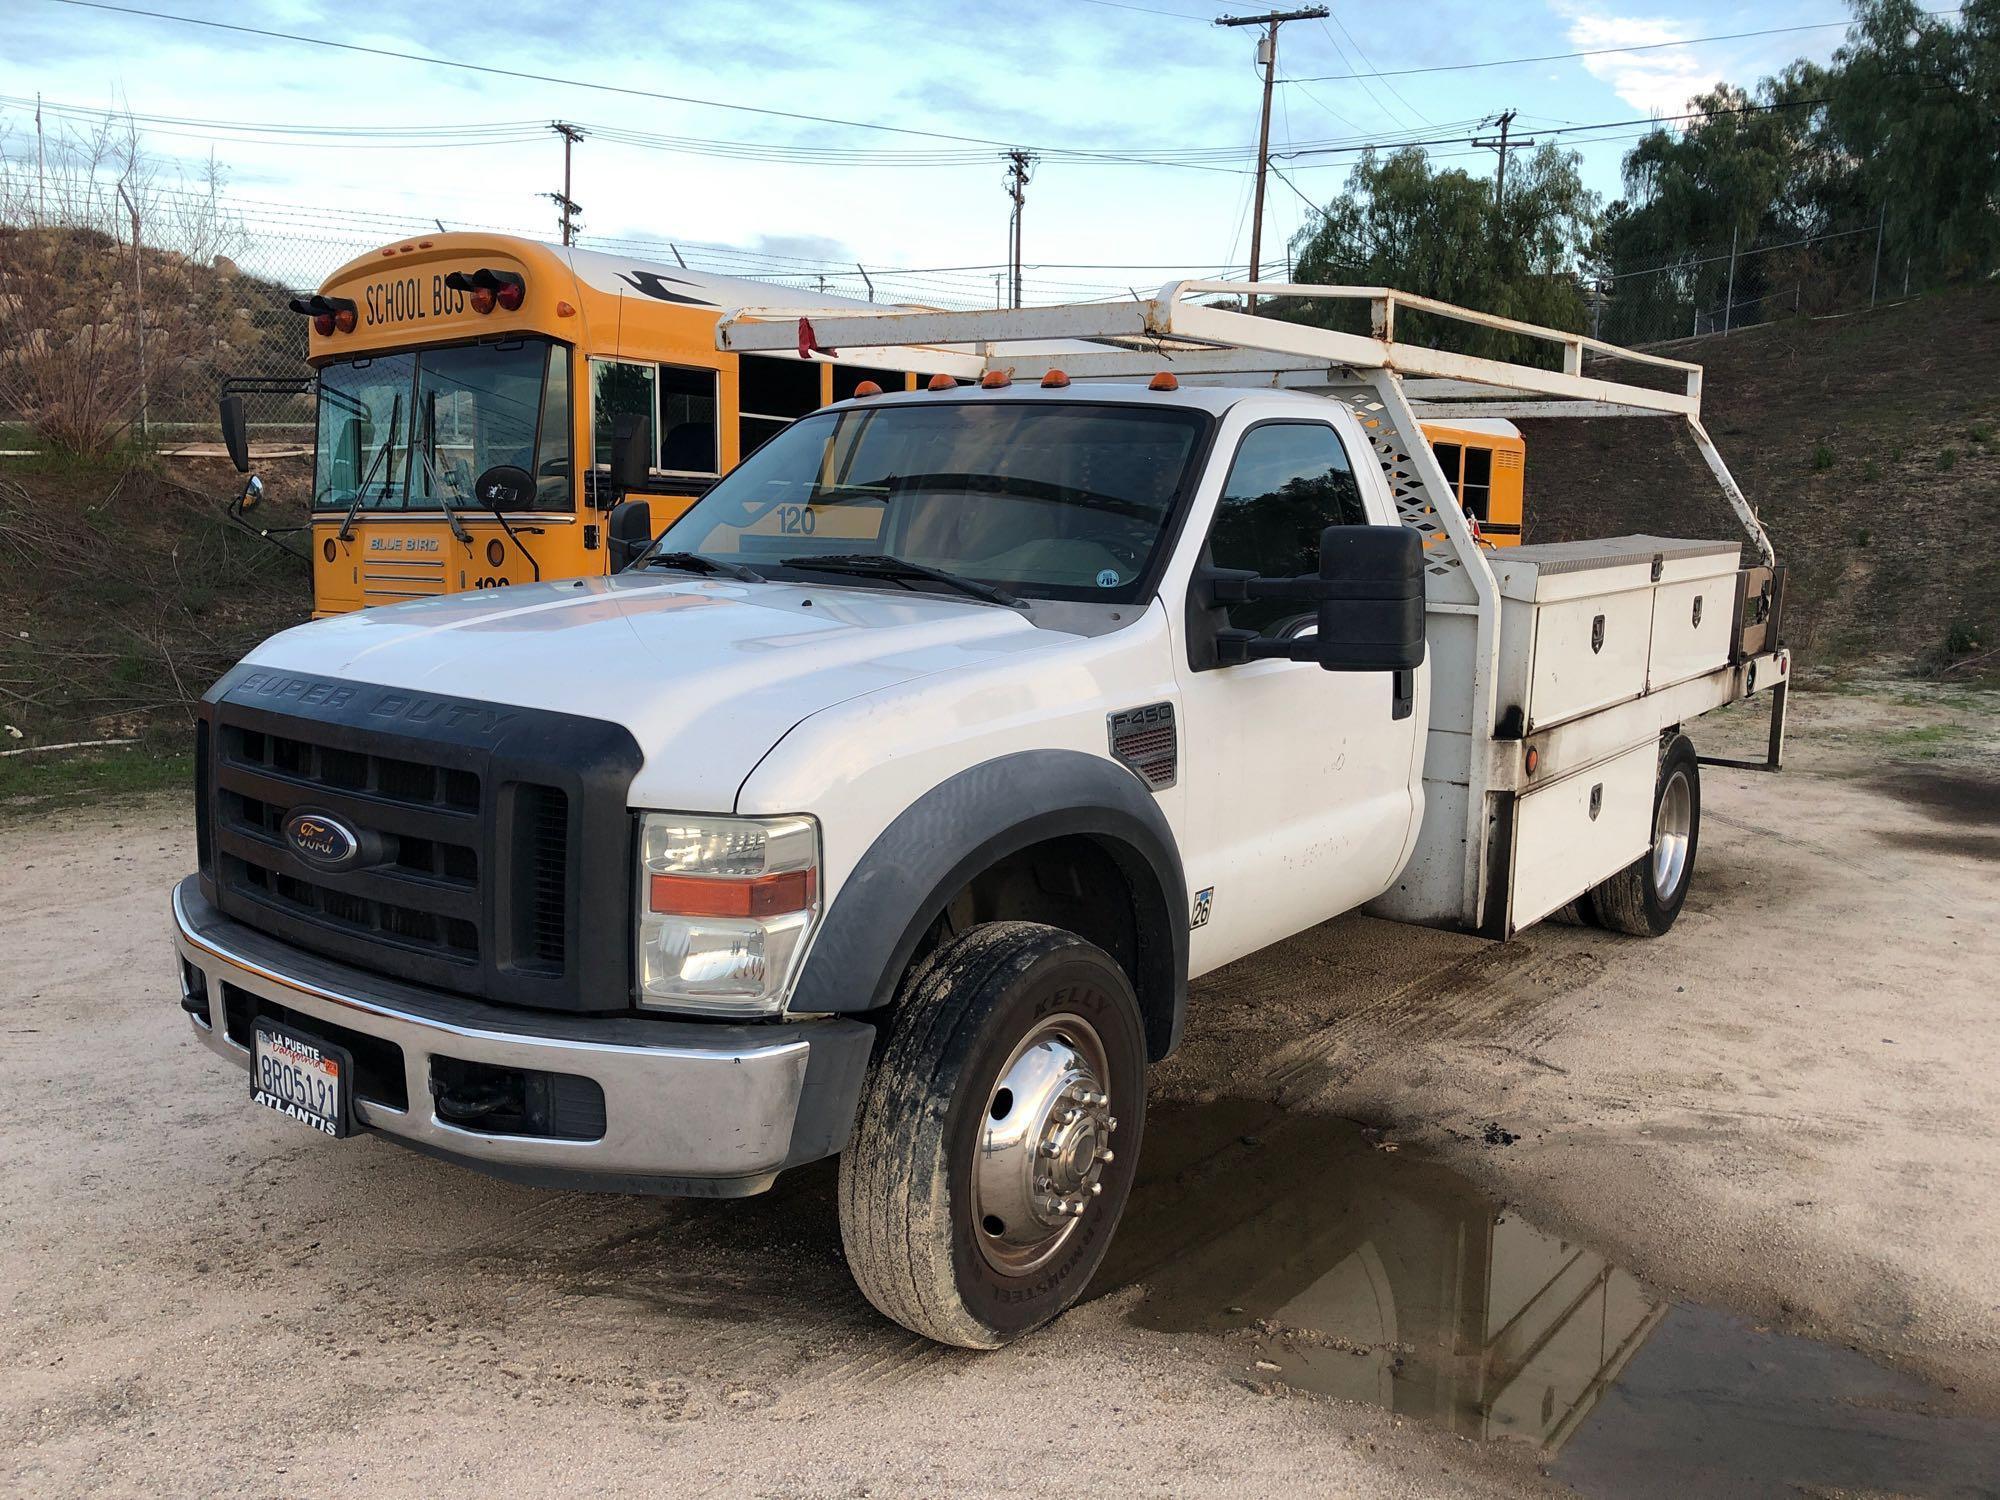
(980,1188)
(1646,897)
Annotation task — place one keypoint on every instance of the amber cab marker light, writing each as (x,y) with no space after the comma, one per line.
(565,310)
(1532,759)
(1055,380)
(868,388)
(942,382)
(1164,381)
(707,896)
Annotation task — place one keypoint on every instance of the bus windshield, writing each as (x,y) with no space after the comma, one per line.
(413,431)
(1053,500)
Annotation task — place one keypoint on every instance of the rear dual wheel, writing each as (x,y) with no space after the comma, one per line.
(997,1136)
(1645,898)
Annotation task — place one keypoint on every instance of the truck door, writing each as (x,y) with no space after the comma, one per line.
(1300,781)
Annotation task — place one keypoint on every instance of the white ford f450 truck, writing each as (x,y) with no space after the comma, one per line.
(886,804)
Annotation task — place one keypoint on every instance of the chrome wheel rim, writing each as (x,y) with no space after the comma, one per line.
(1673,825)
(1044,1142)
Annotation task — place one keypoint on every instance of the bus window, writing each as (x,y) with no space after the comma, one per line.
(847,377)
(478,405)
(621,387)
(1448,460)
(773,393)
(1477,492)
(687,421)
(364,432)
(552,449)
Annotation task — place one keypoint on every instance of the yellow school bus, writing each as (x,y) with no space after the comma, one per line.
(1486,461)
(449,357)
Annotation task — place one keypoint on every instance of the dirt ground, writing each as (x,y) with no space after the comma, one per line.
(1786,1108)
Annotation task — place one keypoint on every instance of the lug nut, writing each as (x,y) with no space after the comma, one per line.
(1104,1154)
(1110,1124)
(1096,1188)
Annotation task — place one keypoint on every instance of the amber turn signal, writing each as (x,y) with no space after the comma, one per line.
(706,896)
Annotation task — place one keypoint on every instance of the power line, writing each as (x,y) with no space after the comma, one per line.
(1071,154)
(1509,62)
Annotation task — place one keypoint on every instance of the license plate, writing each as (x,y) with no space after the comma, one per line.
(301,1077)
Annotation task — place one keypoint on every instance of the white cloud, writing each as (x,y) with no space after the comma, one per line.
(1657,82)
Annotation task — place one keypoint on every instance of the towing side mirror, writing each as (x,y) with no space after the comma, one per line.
(236,432)
(629,532)
(1367,601)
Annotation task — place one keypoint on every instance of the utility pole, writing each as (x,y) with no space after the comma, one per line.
(1503,145)
(1016,184)
(1267,55)
(570,134)
(41,169)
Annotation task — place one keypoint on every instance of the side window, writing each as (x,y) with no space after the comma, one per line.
(1289,482)
(687,421)
(1477,494)
(772,393)
(1449,456)
(620,388)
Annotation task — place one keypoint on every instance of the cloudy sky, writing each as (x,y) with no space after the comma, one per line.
(1141,83)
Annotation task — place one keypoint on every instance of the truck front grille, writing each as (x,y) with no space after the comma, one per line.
(422,894)
(494,854)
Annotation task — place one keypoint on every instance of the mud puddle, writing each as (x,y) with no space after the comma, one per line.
(1327,1261)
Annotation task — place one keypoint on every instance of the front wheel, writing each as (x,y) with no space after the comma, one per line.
(981,1186)
(1645,897)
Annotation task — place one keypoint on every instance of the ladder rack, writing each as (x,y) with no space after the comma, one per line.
(1209,345)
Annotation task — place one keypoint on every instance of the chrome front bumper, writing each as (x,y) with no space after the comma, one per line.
(693,1108)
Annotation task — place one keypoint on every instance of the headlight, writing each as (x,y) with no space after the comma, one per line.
(725,907)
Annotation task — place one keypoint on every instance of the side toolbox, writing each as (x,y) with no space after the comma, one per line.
(1574,833)
(1693,611)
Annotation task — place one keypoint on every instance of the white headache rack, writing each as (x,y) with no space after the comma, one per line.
(1391,383)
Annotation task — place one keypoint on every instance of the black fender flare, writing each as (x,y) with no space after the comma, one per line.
(964,825)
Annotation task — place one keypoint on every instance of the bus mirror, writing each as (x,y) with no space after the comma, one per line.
(631,457)
(504,487)
(236,433)
(631,533)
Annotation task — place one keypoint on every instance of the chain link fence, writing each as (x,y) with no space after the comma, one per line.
(1749,283)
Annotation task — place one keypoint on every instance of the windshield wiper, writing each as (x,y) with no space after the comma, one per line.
(882,565)
(694,562)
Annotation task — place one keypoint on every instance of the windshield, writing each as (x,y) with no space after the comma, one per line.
(413,431)
(1053,500)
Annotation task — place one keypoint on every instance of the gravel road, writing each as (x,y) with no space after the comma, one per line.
(1786,1109)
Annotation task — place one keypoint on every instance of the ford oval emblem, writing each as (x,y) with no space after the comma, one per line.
(322,840)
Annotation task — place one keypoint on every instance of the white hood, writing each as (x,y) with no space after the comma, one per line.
(707,674)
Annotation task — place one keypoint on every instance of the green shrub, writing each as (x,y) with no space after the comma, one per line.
(1822,458)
